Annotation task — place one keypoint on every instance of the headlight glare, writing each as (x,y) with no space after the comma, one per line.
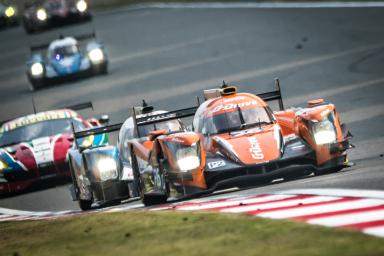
(324,132)
(41,14)
(188,158)
(3,166)
(107,168)
(81,6)
(188,163)
(37,69)
(10,11)
(96,55)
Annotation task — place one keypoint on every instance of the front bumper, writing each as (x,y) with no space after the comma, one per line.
(92,71)
(298,157)
(111,190)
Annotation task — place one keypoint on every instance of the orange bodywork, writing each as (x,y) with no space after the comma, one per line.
(261,143)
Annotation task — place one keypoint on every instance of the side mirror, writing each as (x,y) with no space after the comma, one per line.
(104,119)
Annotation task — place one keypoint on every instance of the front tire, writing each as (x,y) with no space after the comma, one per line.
(85,205)
(154,199)
(36,84)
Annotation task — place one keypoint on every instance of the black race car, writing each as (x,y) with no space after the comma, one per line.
(39,15)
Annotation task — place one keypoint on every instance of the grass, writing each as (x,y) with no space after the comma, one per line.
(178,233)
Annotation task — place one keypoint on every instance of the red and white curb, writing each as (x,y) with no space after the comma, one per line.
(351,209)
(361,210)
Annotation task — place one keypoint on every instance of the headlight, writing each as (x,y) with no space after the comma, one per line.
(107,168)
(81,6)
(324,132)
(37,69)
(41,14)
(96,55)
(188,158)
(10,12)
(3,166)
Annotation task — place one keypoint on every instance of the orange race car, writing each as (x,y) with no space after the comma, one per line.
(237,139)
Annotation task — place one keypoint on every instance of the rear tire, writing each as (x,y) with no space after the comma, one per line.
(85,205)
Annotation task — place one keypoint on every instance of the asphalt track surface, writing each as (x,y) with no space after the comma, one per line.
(167,56)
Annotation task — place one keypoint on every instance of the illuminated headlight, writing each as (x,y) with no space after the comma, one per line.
(10,12)
(107,168)
(324,132)
(3,166)
(188,158)
(41,14)
(37,69)
(96,55)
(81,6)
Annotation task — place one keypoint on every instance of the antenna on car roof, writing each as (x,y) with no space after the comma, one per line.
(224,85)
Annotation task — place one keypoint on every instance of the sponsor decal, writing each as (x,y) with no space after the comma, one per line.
(31,119)
(233,106)
(216,164)
(255,149)
(43,150)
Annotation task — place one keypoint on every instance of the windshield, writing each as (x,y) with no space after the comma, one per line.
(65,51)
(169,126)
(38,130)
(231,121)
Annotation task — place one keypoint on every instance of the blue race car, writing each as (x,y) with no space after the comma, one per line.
(66,59)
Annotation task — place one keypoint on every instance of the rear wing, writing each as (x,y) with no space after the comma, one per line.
(81,106)
(171,115)
(273,95)
(44,46)
(96,130)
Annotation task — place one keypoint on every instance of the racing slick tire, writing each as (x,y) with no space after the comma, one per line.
(153,199)
(85,205)
(36,84)
(29,29)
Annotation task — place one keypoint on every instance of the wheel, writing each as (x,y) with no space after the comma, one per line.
(36,84)
(28,28)
(153,199)
(85,205)
(103,69)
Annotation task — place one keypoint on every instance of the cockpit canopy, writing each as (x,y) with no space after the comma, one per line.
(231,113)
(63,48)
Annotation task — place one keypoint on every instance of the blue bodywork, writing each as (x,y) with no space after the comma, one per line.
(67,65)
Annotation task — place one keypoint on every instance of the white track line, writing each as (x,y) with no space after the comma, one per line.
(327,208)
(252,5)
(376,231)
(336,192)
(207,206)
(316,199)
(348,219)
